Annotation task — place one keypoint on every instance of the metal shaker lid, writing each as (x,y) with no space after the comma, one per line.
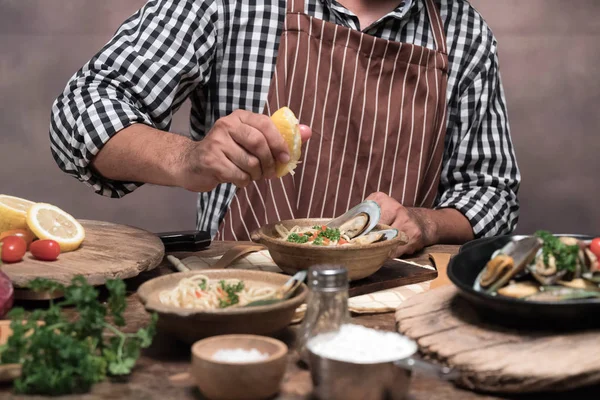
(328,277)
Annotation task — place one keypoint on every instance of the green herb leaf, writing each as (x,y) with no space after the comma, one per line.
(63,356)
(566,256)
(116,300)
(231,291)
(295,238)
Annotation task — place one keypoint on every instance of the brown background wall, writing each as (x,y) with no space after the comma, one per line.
(549,55)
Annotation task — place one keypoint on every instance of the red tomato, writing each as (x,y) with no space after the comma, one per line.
(27,235)
(45,250)
(13,249)
(595,246)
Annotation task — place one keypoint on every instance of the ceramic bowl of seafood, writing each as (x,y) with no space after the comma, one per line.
(535,278)
(197,304)
(355,240)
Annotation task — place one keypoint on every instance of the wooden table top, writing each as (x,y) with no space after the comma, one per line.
(165,358)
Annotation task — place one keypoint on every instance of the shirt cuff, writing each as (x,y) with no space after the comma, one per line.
(96,126)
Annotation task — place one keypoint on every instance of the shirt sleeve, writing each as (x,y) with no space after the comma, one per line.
(480,177)
(142,75)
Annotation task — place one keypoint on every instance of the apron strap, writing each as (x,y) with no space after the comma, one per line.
(295,6)
(435,20)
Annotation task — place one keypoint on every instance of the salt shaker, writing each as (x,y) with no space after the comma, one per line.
(327,304)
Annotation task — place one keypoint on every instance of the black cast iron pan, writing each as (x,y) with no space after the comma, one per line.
(472,258)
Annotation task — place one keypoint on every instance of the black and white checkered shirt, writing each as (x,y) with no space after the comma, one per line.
(221,54)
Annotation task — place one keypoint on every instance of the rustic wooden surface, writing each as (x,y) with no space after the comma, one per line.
(108,251)
(494,358)
(165,358)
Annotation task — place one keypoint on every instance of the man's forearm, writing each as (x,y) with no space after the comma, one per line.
(140,153)
(446,225)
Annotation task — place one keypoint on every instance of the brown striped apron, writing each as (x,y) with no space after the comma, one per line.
(377,110)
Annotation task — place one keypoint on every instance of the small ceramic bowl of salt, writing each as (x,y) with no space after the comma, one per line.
(232,367)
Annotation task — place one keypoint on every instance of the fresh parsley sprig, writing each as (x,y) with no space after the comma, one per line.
(63,355)
(231,290)
(566,256)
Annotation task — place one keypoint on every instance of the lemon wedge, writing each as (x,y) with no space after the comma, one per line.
(50,222)
(288,126)
(13,212)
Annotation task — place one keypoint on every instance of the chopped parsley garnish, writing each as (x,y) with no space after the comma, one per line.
(566,256)
(323,232)
(202,284)
(295,238)
(231,290)
(331,234)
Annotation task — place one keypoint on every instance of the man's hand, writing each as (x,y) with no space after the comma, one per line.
(240,148)
(423,227)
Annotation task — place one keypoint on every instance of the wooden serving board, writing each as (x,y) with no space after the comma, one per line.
(494,358)
(392,274)
(109,251)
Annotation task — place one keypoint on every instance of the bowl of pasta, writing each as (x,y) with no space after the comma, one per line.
(298,244)
(197,304)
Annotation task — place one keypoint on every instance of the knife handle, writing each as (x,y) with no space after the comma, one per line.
(185,240)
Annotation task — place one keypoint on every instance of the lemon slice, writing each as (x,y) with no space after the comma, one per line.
(13,212)
(50,222)
(288,126)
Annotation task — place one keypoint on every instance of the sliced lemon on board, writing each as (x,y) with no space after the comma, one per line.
(50,222)
(13,212)
(288,126)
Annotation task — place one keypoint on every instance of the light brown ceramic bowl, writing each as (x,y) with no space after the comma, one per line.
(189,325)
(360,260)
(219,380)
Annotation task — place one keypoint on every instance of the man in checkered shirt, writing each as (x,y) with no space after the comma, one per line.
(109,128)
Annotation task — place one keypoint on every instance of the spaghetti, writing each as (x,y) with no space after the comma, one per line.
(316,235)
(200,292)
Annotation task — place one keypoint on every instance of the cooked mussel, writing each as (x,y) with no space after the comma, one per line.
(546,272)
(359,220)
(519,289)
(375,236)
(507,263)
(580,283)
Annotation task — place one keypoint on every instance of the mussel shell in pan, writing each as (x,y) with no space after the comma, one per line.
(593,277)
(560,293)
(522,252)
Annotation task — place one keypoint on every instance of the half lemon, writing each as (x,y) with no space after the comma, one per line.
(288,126)
(13,212)
(50,222)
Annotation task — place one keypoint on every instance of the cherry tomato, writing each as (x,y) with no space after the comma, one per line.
(27,235)
(45,250)
(13,249)
(595,247)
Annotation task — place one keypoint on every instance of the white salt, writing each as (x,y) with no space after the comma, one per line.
(360,345)
(239,355)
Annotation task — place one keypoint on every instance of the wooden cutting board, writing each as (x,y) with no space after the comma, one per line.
(494,358)
(108,251)
(392,274)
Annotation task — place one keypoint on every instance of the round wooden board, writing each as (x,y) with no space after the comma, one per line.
(109,251)
(494,358)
